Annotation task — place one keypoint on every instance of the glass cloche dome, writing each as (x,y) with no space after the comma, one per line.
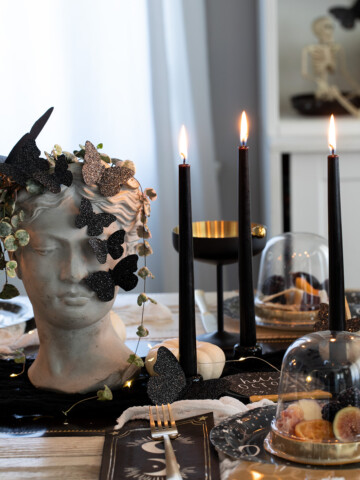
(293,281)
(318,413)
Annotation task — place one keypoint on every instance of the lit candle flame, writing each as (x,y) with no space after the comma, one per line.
(183,143)
(244,130)
(332,135)
(128,383)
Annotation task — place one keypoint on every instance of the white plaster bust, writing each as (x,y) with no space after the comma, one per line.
(79,349)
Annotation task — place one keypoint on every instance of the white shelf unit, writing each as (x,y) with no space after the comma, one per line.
(305,139)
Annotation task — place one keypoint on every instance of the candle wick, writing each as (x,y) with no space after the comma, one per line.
(333,151)
(243,143)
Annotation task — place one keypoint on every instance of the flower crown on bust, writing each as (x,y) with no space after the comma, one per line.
(25,169)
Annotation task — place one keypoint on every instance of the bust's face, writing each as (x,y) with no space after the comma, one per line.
(54,264)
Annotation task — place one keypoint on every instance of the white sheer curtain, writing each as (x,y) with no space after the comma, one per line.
(122,72)
(181,95)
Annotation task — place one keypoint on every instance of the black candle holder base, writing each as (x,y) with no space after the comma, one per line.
(243,352)
(224,340)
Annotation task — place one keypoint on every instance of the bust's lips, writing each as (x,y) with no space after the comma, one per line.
(76,297)
(75,301)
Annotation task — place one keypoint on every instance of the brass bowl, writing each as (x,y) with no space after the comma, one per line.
(216,241)
(311,452)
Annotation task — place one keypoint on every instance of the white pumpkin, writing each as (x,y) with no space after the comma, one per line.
(210,358)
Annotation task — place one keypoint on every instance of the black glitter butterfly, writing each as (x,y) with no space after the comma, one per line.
(24,159)
(94,221)
(170,381)
(61,176)
(112,246)
(347,16)
(104,283)
(109,179)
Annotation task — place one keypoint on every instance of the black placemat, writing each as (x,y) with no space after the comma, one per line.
(131,453)
(24,406)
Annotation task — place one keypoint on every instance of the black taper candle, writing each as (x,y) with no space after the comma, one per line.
(336,264)
(246,291)
(187,331)
(247,345)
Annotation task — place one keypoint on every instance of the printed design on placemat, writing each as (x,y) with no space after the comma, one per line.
(254,383)
(145,457)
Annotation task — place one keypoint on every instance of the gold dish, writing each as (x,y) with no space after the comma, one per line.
(272,317)
(312,453)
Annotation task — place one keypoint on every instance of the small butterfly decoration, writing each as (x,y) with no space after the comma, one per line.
(170,383)
(347,16)
(104,283)
(95,222)
(113,246)
(108,179)
(24,159)
(60,176)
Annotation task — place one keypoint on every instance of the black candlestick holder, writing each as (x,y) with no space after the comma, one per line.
(216,242)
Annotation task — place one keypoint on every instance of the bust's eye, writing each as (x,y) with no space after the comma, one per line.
(44,250)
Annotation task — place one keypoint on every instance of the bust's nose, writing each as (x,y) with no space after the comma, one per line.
(73,268)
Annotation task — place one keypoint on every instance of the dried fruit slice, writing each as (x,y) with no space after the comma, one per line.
(319,430)
(301,283)
(347,424)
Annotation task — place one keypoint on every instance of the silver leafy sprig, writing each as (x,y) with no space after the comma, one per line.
(144,250)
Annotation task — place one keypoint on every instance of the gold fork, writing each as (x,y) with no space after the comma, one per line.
(165,431)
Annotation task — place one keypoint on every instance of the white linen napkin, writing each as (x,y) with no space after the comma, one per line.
(222,408)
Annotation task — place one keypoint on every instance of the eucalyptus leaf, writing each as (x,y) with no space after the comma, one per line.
(143,232)
(99,146)
(21,359)
(34,187)
(10,243)
(57,149)
(22,237)
(144,249)
(11,264)
(145,272)
(80,153)
(135,360)
(142,331)
(11,272)
(105,157)
(150,192)
(142,298)
(21,215)
(105,394)
(9,291)
(15,221)
(5,229)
